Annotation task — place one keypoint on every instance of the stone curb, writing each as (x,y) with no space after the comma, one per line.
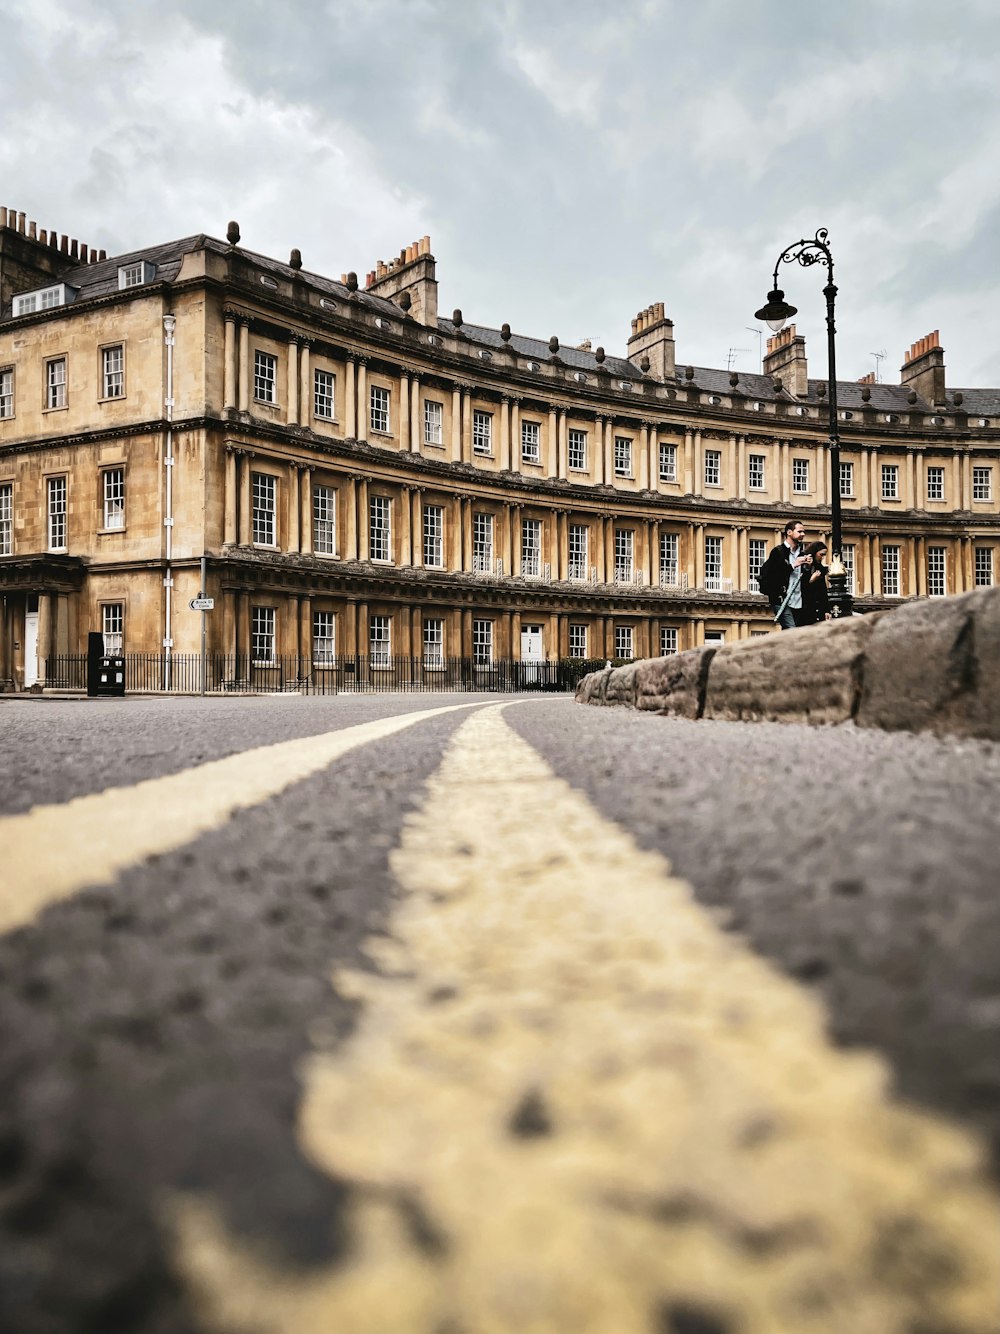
(928,666)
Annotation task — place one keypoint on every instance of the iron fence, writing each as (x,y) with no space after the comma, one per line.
(228,673)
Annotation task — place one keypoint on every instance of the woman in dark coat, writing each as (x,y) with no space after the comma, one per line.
(815,598)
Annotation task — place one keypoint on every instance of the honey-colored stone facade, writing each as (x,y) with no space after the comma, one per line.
(290,414)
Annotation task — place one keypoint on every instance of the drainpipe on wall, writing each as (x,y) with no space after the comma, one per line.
(169,324)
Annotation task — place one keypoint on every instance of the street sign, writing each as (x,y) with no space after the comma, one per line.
(202,604)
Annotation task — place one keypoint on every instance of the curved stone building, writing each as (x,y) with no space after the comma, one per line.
(365,476)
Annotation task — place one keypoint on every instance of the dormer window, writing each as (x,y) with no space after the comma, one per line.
(136,274)
(45,298)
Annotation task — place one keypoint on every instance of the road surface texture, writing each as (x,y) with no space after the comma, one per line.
(453,1015)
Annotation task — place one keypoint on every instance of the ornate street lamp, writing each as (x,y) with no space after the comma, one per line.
(776,313)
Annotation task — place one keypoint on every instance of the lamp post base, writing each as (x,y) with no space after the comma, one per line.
(841,601)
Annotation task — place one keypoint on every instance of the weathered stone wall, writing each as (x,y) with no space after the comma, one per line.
(926,667)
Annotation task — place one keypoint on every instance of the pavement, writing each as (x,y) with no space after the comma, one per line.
(435,1014)
(927,666)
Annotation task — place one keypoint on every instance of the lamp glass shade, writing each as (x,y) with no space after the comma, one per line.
(777,312)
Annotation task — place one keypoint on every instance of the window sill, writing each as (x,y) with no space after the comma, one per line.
(434,444)
(531,463)
(266,403)
(63,407)
(482,454)
(265,546)
(327,421)
(386,435)
(57,551)
(109,532)
(113,398)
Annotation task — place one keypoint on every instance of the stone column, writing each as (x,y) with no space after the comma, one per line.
(416,525)
(364,548)
(561,563)
(405,441)
(919,481)
(417,632)
(243,389)
(293,507)
(243,627)
(246,526)
(515,434)
(466,423)
(597,451)
(966,503)
(552,442)
(504,433)
(909,482)
(921,546)
(364,417)
(228,622)
(654,554)
(653,480)
(824,495)
(563,444)
(690,561)
(46,632)
(229,533)
(609,547)
(699,465)
(609,451)
(699,556)
(876,480)
(416,424)
(466,513)
(351,547)
(363,635)
(734,556)
(229,363)
(864,479)
(305,630)
(741,468)
(785,454)
(350,401)
(642,463)
(456,424)
(306,526)
(876,562)
(305,383)
(292,406)
(688,473)
(405,538)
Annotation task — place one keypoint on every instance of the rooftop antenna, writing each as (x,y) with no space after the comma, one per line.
(731,356)
(879,358)
(760,344)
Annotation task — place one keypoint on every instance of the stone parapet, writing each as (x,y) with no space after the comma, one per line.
(929,666)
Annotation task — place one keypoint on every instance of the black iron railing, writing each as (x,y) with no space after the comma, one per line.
(240,674)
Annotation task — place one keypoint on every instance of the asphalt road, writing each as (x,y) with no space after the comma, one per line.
(240,1066)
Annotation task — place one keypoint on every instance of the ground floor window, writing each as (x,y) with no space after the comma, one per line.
(668,640)
(936,587)
(715,636)
(379,641)
(324,638)
(624,641)
(433,641)
(847,559)
(984,567)
(482,643)
(113,627)
(262,635)
(577,641)
(890,571)
(758,554)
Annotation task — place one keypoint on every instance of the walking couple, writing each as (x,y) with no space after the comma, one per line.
(793,579)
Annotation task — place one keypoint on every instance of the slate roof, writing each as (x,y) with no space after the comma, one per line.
(101,279)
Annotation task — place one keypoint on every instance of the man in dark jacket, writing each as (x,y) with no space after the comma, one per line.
(781,573)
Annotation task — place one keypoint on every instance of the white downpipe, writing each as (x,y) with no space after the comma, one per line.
(169,325)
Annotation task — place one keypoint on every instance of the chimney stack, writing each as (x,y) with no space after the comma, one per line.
(786,357)
(413,272)
(923,369)
(653,335)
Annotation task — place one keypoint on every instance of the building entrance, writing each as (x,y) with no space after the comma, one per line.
(30,648)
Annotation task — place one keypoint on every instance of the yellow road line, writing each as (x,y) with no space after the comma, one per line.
(52,852)
(611,1117)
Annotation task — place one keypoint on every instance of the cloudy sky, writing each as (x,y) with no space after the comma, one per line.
(572,160)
